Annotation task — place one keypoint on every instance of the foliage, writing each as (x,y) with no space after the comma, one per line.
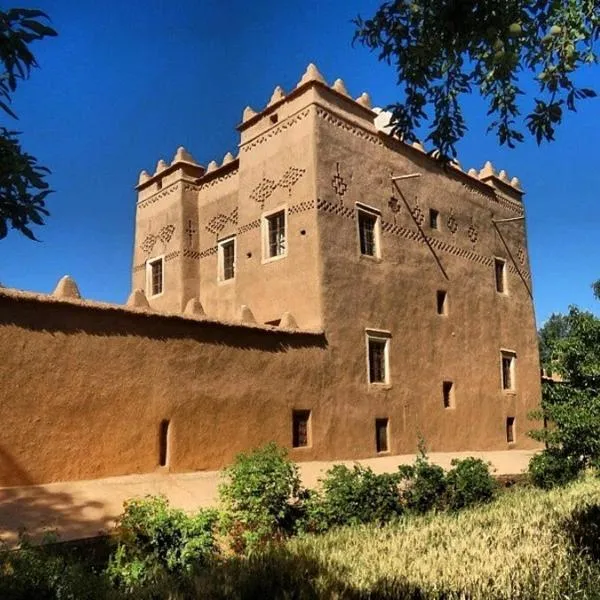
(258,494)
(22,187)
(424,484)
(351,496)
(443,50)
(44,573)
(551,468)
(556,328)
(596,289)
(469,482)
(571,407)
(159,546)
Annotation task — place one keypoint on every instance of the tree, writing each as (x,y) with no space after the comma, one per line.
(555,329)
(23,190)
(443,49)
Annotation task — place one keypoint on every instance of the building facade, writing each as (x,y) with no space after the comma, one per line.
(331,288)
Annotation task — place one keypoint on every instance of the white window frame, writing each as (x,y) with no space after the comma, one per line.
(373,212)
(265,234)
(504,291)
(221,259)
(506,353)
(378,335)
(149,264)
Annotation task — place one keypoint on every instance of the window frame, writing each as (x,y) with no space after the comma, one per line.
(371,211)
(504,280)
(149,263)
(221,258)
(386,422)
(434,219)
(511,430)
(512,355)
(444,304)
(378,335)
(265,221)
(297,413)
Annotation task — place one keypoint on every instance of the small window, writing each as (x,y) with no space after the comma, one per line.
(442,302)
(510,430)
(227,259)
(378,358)
(448,394)
(154,277)
(275,235)
(300,428)
(381,435)
(163,443)
(500,274)
(508,371)
(434,217)
(368,232)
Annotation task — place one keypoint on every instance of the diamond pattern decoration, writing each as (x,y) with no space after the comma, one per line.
(191,232)
(148,244)
(338,183)
(521,255)
(418,215)
(290,178)
(166,233)
(263,191)
(452,222)
(217,223)
(473,233)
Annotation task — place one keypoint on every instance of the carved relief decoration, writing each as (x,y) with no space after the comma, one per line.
(521,255)
(338,184)
(418,215)
(452,223)
(263,191)
(191,232)
(218,222)
(473,233)
(148,244)
(166,233)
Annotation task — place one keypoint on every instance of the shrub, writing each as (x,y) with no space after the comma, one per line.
(258,494)
(159,546)
(469,482)
(551,468)
(424,484)
(353,496)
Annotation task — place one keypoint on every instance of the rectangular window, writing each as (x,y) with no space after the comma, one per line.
(381,434)
(510,429)
(508,370)
(368,232)
(500,274)
(300,428)
(226,259)
(154,277)
(434,216)
(275,235)
(442,302)
(448,394)
(378,357)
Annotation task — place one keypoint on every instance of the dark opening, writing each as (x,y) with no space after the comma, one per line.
(159,184)
(441,302)
(448,393)
(499,270)
(300,428)
(433,218)
(163,443)
(273,323)
(274,118)
(377,361)
(381,434)
(510,429)
(366,228)
(507,379)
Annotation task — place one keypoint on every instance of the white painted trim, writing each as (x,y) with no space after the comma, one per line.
(378,335)
(149,263)
(221,259)
(504,277)
(264,231)
(374,212)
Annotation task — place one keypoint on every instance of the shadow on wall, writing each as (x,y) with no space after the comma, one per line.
(69,318)
(37,509)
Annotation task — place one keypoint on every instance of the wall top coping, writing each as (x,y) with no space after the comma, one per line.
(149,313)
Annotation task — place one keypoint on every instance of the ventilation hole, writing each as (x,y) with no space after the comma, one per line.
(303,232)
(274,118)
(163,443)
(248,254)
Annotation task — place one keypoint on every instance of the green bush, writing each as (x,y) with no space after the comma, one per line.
(423,485)
(469,482)
(259,495)
(353,496)
(43,572)
(551,468)
(159,547)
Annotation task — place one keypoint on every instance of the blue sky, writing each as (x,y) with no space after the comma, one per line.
(125,83)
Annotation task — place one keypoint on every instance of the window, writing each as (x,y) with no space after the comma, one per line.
(510,430)
(442,302)
(434,218)
(508,359)
(378,356)
(448,394)
(163,443)
(368,232)
(300,428)
(381,435)
(154,277)
(500,273)
(227,259)
(274,235)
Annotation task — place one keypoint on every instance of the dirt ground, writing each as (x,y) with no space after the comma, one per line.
(81,509)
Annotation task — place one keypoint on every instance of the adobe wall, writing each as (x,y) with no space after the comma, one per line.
(398,293)
(85,387)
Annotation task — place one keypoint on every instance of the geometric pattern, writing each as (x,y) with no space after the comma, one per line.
(452,223)
(166,233)
(263,191)
(218,222)
(148,244)
(337,183)
(418,215)
(473,233)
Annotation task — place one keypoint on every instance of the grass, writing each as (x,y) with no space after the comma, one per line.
(529,544)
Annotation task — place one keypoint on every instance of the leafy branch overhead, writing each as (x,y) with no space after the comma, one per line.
(23,189)
(444,49)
